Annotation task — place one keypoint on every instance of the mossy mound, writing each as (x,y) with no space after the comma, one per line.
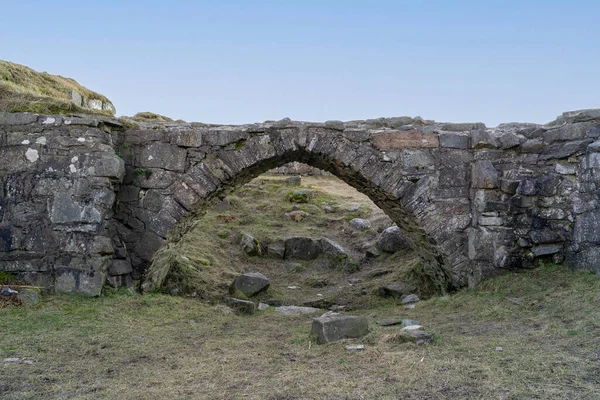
(24,90)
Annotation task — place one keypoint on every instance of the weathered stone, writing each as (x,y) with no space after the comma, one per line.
(300,196)
(250,284)
(302,248)
(411,298)
(243,307)
(276,250)
(481,139)
(360,224)
(294,180)
(70,280)
(404,139)
(163,155)
(401,289)
(332,249)
(417,337)
(454,140)
(250,245)
(119,267)
(392,240)
(292,311)
(484,175)
(332,327)
(546,249)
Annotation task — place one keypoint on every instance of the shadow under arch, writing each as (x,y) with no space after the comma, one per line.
(403,197)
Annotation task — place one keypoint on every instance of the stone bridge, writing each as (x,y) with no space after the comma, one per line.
(86,201)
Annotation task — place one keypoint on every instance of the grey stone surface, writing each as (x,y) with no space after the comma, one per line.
(292,311)
(360,224)
(398,289)
(417,337)
(465,195)
(411,298)
(302,248)
(243,307)
(391,240)
(333,327)
(250,284)
(333,249)
(250,245)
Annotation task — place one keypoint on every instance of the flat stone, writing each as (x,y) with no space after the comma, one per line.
(250,284)
(29,296)
(416,336)
(240,306)
(8,292)
(401,289)
(294,180)
(300,196)
(398,321)
(333,249)
(411,298)
(454,140)
(292,311)
(484,175)
(332,327)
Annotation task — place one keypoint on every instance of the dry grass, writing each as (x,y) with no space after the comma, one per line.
(24,90)
(150,116)
(207,258)
(157,346)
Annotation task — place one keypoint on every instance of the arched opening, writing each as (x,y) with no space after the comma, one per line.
(428,276)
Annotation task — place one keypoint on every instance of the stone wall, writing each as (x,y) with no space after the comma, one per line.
(84,201)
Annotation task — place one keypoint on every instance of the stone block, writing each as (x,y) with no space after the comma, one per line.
(250,284)
(70,280)
(332,327)
(119,267)
(404,139)
(188,138)
(454,140)
(302,248)
(391,240)
(163,155)
(484,175)
(240,306)
(105,164)
(481,139)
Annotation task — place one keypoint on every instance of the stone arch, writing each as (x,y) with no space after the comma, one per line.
(399,177)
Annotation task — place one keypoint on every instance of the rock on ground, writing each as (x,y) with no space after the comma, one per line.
(411,298)
(296,310)
(250,283)
(332,327)
(391,240)
(241,306)
(360,224)
(250,245)
(301,248)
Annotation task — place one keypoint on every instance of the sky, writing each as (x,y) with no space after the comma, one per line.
(316,60)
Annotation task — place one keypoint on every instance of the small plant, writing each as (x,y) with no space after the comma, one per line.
(126,145)
(140,171)
(119,154)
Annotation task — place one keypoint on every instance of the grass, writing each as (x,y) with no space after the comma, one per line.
(208,257)
(24,90)
(159,346)
(149,116)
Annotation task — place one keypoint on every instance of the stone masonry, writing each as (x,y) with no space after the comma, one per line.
(85,201)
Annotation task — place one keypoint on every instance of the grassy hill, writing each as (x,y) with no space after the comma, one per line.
(24,90)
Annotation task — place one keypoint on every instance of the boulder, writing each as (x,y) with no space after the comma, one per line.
(332,249)
(250,245)
(360,224)
(275,250)
(401,289)
(391,240)
(294,180)
(250,283)
(332,327)
(299,196)
(352,207)
(241,306)
(301,248)
(29,296)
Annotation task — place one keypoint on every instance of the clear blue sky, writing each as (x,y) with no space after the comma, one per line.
(248,61)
